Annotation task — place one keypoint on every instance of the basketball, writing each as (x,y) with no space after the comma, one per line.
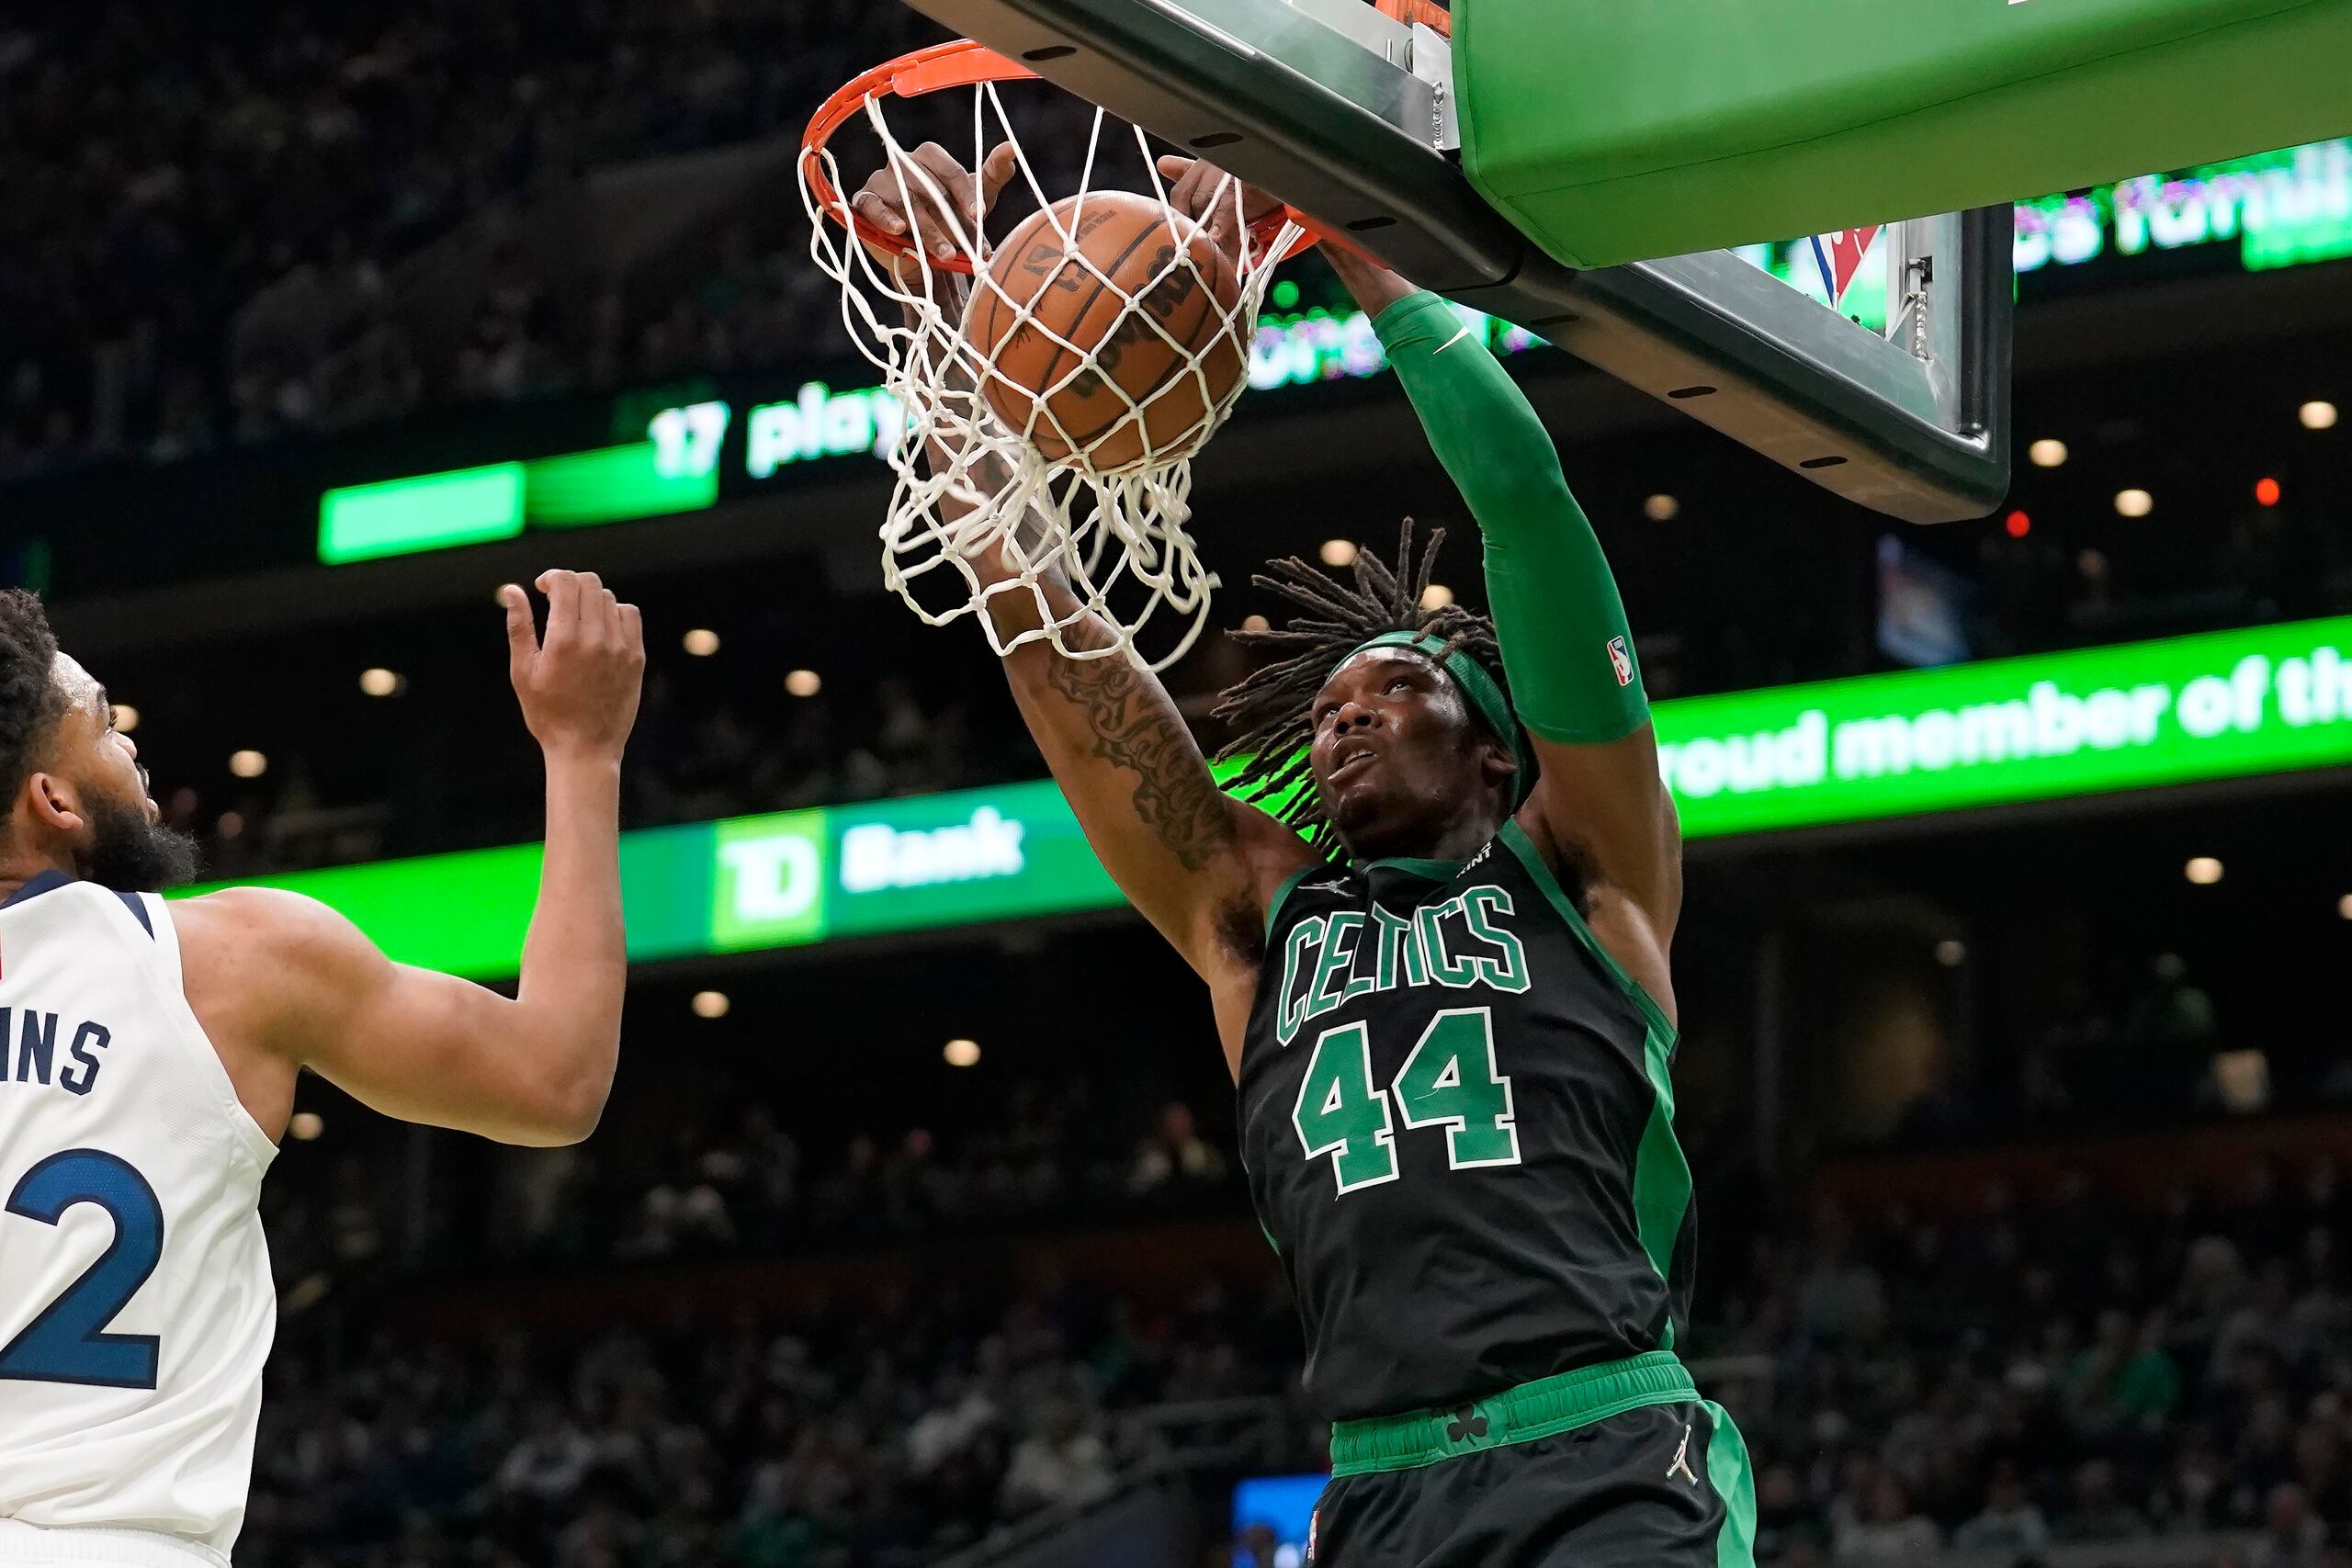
(1071,314)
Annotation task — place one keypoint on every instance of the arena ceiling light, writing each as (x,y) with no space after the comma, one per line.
(711,1004)
(379,682)
(2344,906)
(2047,453)
(804,683)
(1436,596)
(1338,552)
(2202,869)
(248,764)
(2317,414)
(702,642)
(2134,503)
(961,1052)
(2266,491)
(1256,624)
(1951,953)
(305,1127)
(125,717)
(1661,508)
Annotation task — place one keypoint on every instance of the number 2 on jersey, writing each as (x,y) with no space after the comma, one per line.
(1449,1080)
(68,1342)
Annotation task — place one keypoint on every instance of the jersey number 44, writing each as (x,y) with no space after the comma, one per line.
(1449,1080)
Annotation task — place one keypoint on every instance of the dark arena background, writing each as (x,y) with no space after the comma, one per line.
(2017,1095)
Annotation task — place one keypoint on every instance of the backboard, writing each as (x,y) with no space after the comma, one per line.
(1350,116)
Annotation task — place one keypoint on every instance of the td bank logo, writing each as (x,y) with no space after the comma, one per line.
(771,882)
(877,858)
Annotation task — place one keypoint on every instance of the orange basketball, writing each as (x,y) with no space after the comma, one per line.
(1124,274)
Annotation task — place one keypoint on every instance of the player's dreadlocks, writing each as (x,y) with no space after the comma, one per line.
(1272,713)
(30,699)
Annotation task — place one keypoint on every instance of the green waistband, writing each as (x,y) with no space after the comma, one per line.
(1515,1415)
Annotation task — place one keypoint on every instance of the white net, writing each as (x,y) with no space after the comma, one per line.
(995,492)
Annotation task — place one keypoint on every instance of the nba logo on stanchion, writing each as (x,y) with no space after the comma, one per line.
(1840,256)
(1621,660)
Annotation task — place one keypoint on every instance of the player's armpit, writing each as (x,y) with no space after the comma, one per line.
(290,977)
(1603,808)
(1630,899)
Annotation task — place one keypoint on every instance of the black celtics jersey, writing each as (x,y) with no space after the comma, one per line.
(1458,1128)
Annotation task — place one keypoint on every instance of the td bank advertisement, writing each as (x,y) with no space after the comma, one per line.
(2221,705)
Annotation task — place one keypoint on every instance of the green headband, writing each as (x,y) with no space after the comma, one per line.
(1478,689)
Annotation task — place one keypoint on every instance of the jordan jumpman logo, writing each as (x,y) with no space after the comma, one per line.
(1683,1459)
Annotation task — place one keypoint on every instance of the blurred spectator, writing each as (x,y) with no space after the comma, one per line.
(2096,1511)
(2009,1523)
(1888,1532)
(1174,1153)
(2172,1011)
(1059,1461)
(548,1466)
(1841,1297)
(2292,1537)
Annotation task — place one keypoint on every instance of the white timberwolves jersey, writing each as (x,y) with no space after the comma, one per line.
(136,1307)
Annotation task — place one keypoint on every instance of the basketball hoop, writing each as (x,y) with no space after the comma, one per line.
(970,488)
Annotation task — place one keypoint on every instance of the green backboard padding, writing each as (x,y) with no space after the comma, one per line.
(1623,132)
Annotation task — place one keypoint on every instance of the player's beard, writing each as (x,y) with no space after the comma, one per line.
(130,854)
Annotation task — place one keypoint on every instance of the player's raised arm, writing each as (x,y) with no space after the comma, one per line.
(302,983)
(1573,678)
(1197,863)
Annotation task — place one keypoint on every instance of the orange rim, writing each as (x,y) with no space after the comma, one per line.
(958,63)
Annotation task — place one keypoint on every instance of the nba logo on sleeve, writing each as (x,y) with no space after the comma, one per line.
(1621,660)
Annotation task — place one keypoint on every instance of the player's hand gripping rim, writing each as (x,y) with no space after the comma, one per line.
(932,203)
(1225,207)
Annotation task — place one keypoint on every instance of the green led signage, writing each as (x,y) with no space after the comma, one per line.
(2281,209)
(679,465)
(674,469)
(399,517)
(2222,705)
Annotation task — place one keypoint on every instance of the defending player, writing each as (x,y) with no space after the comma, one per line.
(148,1056)
(1451,1037)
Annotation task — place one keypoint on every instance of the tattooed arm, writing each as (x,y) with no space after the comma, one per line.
(1198,864)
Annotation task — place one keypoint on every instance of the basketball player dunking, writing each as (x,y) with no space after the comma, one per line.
(148,1057)
(1441,979)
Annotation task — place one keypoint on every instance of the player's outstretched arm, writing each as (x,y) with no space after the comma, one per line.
(1197,863)
(296,980)
(1574,676)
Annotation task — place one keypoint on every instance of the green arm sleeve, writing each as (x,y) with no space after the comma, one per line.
(1573,674)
